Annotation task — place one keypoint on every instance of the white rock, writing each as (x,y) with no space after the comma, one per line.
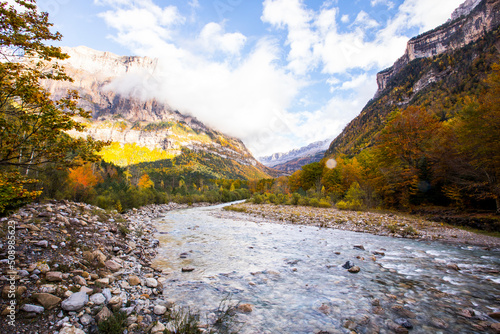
(32,308)
(159,328)
(151,282)
(159,309)
(75,302)
(71,330)
(98,299)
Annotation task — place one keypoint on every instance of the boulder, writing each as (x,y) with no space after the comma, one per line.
(75,302)
(47,300)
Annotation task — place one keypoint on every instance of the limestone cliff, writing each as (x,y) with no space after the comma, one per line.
(116,89)
(469,23)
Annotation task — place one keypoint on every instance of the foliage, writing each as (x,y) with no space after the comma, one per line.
(33,126)
(115,324)
(353,199)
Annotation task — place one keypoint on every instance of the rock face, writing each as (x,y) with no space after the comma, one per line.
(480,18)
(117,90)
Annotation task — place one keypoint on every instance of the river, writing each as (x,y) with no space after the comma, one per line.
(293,277)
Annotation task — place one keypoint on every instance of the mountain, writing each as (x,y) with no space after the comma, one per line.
(439,68)
(116,88)
(293,160)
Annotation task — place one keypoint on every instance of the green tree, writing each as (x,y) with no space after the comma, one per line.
(33,126)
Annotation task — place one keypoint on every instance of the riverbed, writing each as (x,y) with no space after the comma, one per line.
(294,279)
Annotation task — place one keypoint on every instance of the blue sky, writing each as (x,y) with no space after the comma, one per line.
(278,74)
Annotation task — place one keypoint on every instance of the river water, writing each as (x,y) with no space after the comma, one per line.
(294,279)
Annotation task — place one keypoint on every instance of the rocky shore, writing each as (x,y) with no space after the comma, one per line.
(70,266)
(386,224)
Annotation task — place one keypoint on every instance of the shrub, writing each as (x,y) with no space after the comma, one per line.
(353,199)
(115,324)
(323,203)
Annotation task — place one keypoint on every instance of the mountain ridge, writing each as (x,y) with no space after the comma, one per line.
(135,118)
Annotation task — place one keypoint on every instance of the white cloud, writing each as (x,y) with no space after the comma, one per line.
(387,3)
(249,95)
(213,39)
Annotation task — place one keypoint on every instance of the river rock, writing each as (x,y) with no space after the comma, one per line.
(151,282)
(354,270)
(404,322)
(80,280)
(453,266)
(86,319)
(71,330)
(54,276)
(116,302)
(19,291)
(43,243)
(30,308)
(158,328)
(103,314)
(348,265)
(48,288)
(400,310)
(134,280)
(187,270)
(496,327)
(113,265)
(494,315)
(159,309)
(398,329)
(98,299)
(75,302)
(245,308)
(47,300)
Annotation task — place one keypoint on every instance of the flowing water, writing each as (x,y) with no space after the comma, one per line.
(293,277)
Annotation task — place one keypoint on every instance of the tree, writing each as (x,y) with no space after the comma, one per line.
(33,126)
(475,144)
(402,152)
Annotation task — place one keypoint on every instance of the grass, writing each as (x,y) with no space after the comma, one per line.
(235,208)
(115,324)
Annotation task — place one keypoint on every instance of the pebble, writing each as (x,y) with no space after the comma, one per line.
(98,299)
(32,308)
(75,302)
(159,309)
(354,270)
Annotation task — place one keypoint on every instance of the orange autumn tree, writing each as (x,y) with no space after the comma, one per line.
(401,153)
(82,179)
(145,182)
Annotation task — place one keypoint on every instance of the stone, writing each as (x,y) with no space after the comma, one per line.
(158,328)
(86,290)
(245,308)
(159,309)
(400,310)
(54,276)
(468,313)
(453,266)
(151,282)
(134,280)
(80,280)
(107,293)
(43,243)
(99,257)
(496,327)
(103,281)
(348,265)
(23,273)
(43,267)
(113,265)
(187,270)
(48,288)
(354,270)
(75,302)
(116,302)
(19,291)
(398,329)
(47,300)
(406,323)
(361,247)
(86,319)
(98,299)
(71,330)
(494,315)
(30,308)
(103,314)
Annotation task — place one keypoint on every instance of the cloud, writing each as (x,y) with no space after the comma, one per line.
(245,87)
(213,39)
(387,3)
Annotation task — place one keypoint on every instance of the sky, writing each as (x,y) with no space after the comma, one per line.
(278,74)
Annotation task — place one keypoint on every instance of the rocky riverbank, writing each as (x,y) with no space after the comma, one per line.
(386,224)
(74,265)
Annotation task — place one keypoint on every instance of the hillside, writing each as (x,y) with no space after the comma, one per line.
(143,129)
(438,69)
